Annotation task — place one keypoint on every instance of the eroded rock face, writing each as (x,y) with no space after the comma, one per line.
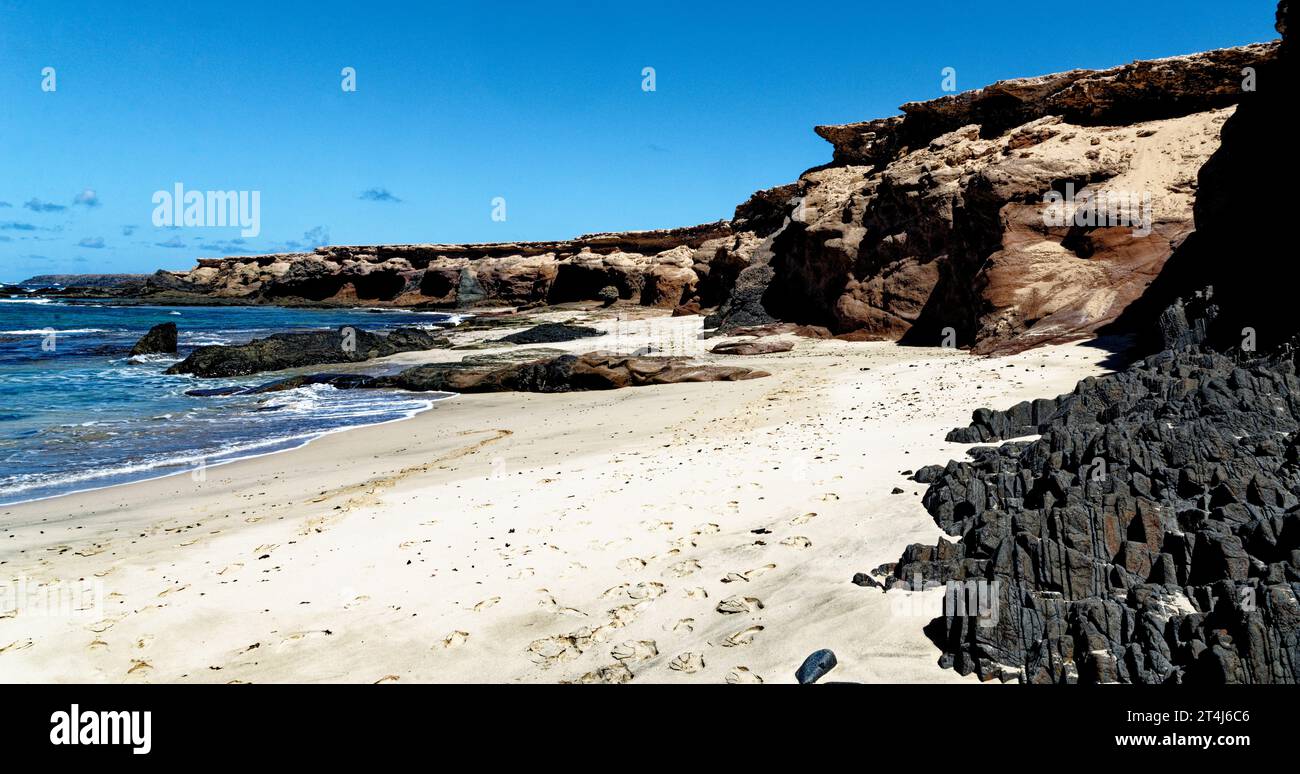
(933,224)
(936,219)
(659,268)
(1151,535)
(1244,216)
(294,350)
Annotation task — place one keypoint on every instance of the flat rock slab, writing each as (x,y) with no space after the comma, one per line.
(752,347)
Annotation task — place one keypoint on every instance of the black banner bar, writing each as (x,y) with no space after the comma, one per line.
(309,723)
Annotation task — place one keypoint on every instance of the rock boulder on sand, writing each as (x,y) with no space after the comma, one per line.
(161,339)
(551,333)
(592,371)
(752,347)
(293,350)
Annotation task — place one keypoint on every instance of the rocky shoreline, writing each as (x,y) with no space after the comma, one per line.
(1152,533)
(1149,534)
(294,350)
(928,227)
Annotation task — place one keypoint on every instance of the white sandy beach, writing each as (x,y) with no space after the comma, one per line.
(534,538)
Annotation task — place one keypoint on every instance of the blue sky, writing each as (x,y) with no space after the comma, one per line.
(458,103)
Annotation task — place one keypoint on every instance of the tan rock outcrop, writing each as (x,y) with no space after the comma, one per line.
(944,221)
(1027,211)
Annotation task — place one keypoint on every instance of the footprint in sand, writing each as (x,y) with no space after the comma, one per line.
(797,541)
(99,627)
(17,645)
(689,662)
(615,591)
(386,679)
(647,590)
(230,568)
(144,642)
(738,604)
(743,637)
(657,526)
(631,563)
(748,575)
(634,651)
(683,543)
(742,676)
(455,639)
(552,650)
(697,592)
(706,529)
(173,589)
(485,604)
(549,651)
(303,636)
(684,625)
(610,544)
(138,665)
(683,568)
(614,674)
(547,602)
(526,572)
(803,519)
(625,615)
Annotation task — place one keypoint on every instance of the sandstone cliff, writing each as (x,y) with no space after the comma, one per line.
(935,219)
(926,226)
(657,268)
(1242,244)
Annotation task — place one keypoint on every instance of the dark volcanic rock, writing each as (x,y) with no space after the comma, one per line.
(866,581)
(551,333)
(592,371)
(1151,535)
(815,667)
(293,350)
(511,373)
(160,339)
(99,281)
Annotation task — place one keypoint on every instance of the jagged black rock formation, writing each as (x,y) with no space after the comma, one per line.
(1151,535)
(161,339)
(292,350)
